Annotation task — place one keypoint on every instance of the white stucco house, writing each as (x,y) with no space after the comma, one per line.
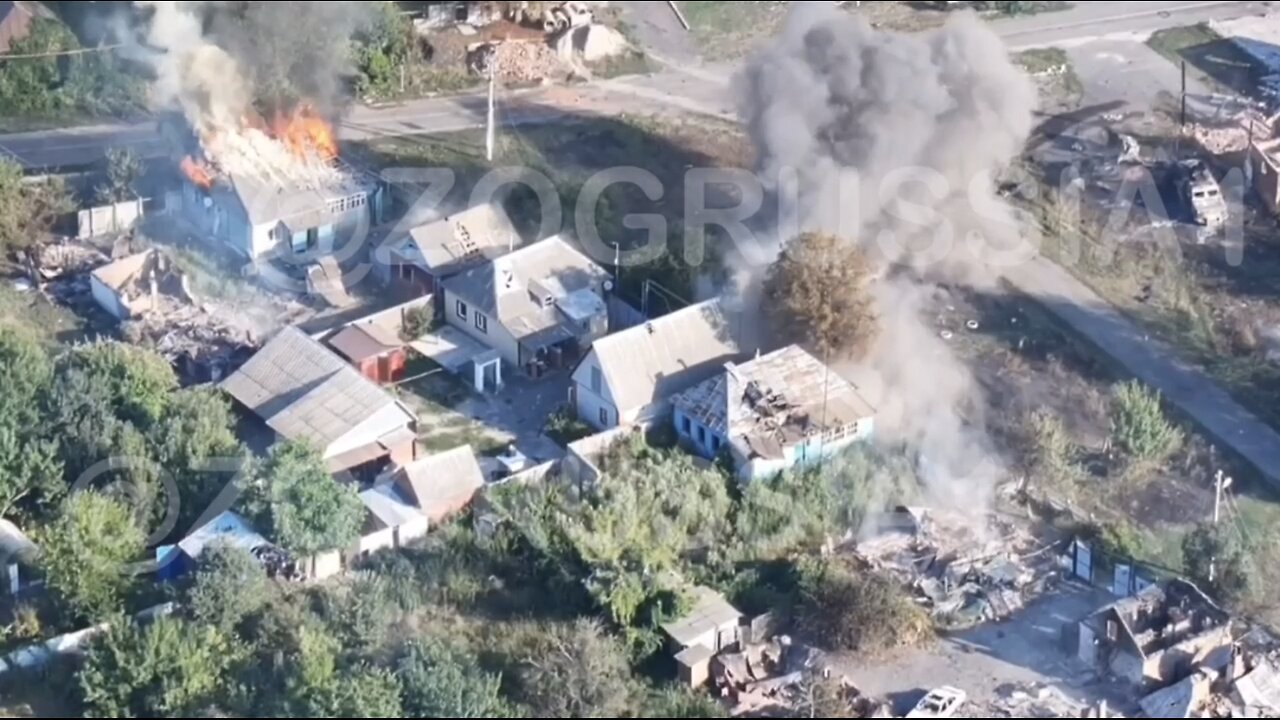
(630,376)
(539,307)
(781,410)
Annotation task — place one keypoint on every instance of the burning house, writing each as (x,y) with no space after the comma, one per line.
(275,189)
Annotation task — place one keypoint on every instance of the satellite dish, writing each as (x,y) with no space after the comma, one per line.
(608,286)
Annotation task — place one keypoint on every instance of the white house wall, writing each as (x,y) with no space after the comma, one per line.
(108,299)
(589,403)
(497,337)
(385,421)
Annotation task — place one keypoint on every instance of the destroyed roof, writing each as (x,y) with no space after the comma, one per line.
(515,288)
(652,361)
(361,342)
(388,507)
(1261,688)
(116,275)
(710,612)
(439,483)
(305,392)
(299,206)
(1177,701)
(228,528)
(1152,615)
(775,400)
(454,242)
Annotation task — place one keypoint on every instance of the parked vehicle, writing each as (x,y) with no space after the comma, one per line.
(943,702)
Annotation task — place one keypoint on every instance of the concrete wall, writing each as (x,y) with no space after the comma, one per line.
(496,337)
(1173,664)
(107,219)
(108,300)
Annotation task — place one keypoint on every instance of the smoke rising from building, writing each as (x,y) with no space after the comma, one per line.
(894,140)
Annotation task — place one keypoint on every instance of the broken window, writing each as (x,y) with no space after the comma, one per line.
(461,309)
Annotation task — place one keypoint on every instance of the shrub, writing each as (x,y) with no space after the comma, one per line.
(870,614)
(1213,550)
(1138,424)
(417,322)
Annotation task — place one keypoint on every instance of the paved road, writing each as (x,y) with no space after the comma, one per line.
(698,88)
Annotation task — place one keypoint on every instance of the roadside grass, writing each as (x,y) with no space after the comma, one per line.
(1217,60)
(1055,76)
(1042,60)
(730,30)
(631,62)
(31,312)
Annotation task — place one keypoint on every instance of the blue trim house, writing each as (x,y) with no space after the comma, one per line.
(781,410)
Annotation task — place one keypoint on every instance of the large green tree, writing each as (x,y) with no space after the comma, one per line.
(817,294)
(577,670)
(86,554)
(168,668)
(28,210)
(310,511)
(229,586)
(30,469)
(124,169)
(1215,558)
(382,50)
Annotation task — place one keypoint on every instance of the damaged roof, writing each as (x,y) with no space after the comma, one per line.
(305,392)
(652,361)
(457,241)
(441,483)
(116,275)
(533,289)
(710,612)
(775,400)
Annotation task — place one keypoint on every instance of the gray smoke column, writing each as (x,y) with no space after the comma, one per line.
(892,141)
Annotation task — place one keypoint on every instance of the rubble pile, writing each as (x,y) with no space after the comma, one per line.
(773,679)
(200,346)
(1043,702)
(59,260)
(519,61)
(1231,135)
(965,575)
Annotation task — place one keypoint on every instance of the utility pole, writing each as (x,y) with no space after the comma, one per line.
(1221,483)
(1184,93)
(490,131)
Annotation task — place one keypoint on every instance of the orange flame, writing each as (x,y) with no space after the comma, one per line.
(197,172)
(306,133)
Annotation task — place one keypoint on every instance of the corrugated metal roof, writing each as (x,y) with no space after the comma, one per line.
(356,343)
(457,241)
(305,392)
(505,287)
(653,361)
(709,613)
(439,483)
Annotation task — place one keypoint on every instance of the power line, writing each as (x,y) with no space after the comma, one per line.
(60,53)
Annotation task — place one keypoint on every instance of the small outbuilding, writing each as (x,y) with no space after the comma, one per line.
(712,626)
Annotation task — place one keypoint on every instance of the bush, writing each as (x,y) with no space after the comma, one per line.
(868,614)
(1050,450)
(230,586)
(565,427)
(417,322)
(1138,424)
(1216,547)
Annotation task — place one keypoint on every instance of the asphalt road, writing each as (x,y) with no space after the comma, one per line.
(686,84)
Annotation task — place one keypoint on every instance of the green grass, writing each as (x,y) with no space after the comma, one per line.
(1042,60)
(627,63)
(31,312)
(728,30)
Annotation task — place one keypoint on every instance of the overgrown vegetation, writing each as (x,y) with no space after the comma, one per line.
(418,321)
(38,84)
(1215,558)
(865,613)
(124,168)
(28,210)
(564,426)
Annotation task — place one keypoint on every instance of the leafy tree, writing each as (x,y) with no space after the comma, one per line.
(138,382)
(367,693)
(577,671)
(30,85)
(383,50)
(858,613)
(1051,450)
(28,209)
(1138,424)
(441,681)
(86,551)
(1215,546)
(196,430)
(229,586)
(124,168)
(317,686)
(310,511)
(30,470)
(820,697)
(359,614)
(168,669)
(816,293)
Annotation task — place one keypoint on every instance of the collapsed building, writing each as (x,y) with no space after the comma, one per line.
(1158,636)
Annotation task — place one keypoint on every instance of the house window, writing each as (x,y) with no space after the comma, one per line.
(715,443)
(686,427)
(461,308)
(597,380)
(702,435)
(604,416)
(482,323)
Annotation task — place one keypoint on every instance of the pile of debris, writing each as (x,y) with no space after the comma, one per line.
(1234,134)
(1044,702)
(201,347)
(965,574)
(518,61)
(772,679)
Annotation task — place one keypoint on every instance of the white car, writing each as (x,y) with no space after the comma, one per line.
(943,702)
